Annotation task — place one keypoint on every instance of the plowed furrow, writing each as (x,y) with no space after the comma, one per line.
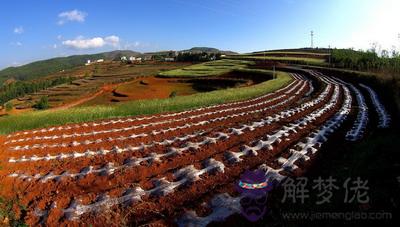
(279,140)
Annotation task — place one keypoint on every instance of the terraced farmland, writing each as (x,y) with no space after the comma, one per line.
(148,168)
(214,68)
(99,78)
(286,57)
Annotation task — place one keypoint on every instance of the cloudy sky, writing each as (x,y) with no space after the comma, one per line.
(33,30)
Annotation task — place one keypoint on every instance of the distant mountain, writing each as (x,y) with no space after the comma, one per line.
(208,50)
(193,50)
(45,67)
(116,55)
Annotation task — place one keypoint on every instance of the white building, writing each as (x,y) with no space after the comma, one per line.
(88,62)
(100,60)
(131,58)
(169,59)
(123,58)
(148,58)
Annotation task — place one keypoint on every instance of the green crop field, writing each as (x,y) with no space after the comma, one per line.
(39,119)
(291,60)
(214,68)
(289,53)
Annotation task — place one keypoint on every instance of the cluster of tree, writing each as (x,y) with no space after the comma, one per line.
(197,57)
(42,104)
(21,88)
(368,60)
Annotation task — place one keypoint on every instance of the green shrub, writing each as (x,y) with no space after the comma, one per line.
(8,106)
(43,103)
(8,216)
(173,94)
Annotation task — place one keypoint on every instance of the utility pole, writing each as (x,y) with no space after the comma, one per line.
(273,74)
(398,36)
(330,54)
(398,56)
(312,39)
(265,60)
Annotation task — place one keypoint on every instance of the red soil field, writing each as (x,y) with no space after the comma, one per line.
(154,88)
(161,169)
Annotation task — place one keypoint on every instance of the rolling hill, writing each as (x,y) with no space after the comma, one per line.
(208,50)
(193,50)
(43,68)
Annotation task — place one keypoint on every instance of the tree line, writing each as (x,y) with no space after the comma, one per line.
(368,60)
(197,57)
(21,88)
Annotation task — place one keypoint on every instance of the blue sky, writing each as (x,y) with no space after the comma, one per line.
(33,30)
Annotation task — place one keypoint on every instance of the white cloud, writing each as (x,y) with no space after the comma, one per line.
(54,46)
(16,64)
(19,30)
(74,15)
(84,43)
(96,42)
(112,40)
(59,37)
(16,43)
(134,45)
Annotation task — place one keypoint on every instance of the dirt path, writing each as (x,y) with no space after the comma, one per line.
(104,89)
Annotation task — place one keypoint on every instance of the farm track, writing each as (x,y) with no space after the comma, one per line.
(155,165)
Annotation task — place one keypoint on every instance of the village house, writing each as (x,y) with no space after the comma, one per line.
(169,59)
(148,57)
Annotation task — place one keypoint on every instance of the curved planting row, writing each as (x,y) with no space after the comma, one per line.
(127,128)
(149,166)
(358,129)
(360,124)
(384,117)
(171,151)
(224,205)
(142,147)
(167,183)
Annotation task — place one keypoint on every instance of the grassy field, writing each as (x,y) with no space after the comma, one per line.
(285,59)
(289,53)
(39,119)
(289,56)
(213,68)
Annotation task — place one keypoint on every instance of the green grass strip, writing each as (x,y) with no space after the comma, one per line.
(39,119)
(292,60)
(213,68)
